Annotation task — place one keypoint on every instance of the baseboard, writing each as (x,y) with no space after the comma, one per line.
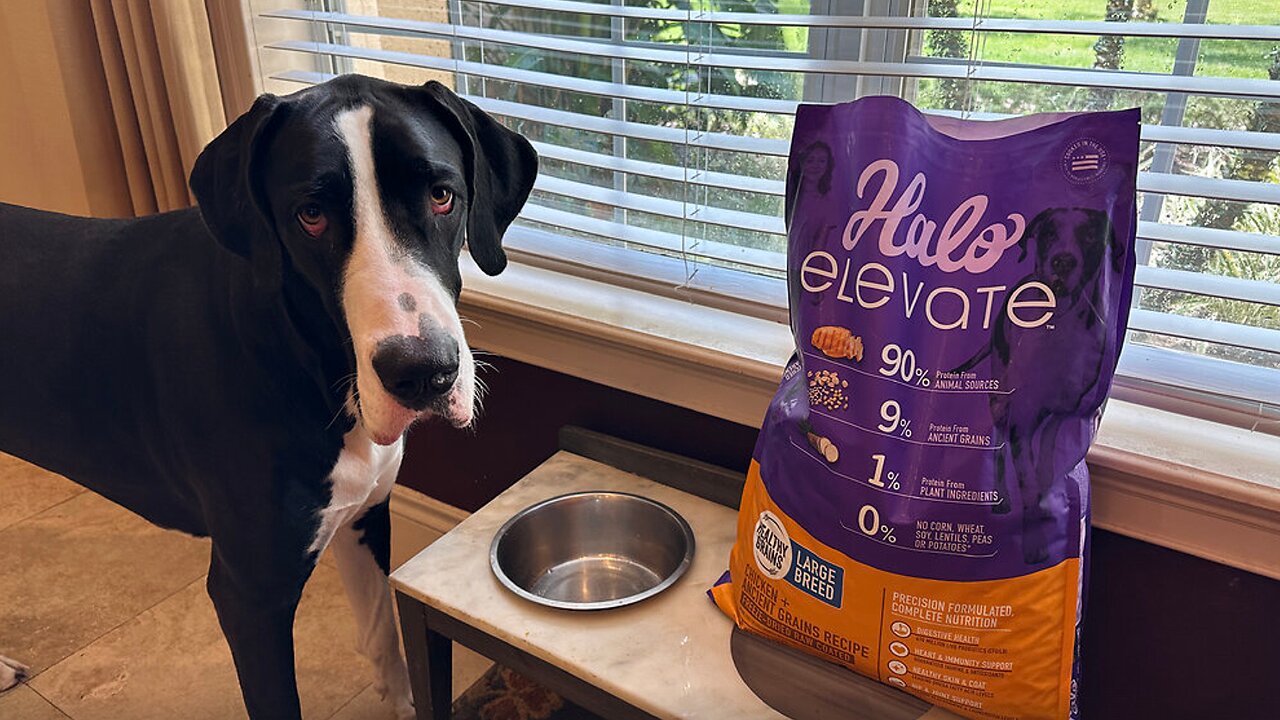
(417,520)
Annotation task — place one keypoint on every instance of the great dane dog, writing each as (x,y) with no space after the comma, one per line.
(246,370)
(1070,247)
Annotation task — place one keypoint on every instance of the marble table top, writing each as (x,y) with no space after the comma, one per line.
(668,655)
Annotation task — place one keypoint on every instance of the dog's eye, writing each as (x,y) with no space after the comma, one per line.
(441,200)
(313,220)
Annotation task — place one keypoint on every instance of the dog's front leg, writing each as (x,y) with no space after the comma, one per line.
(1040,477)
(257,620)
(362,550)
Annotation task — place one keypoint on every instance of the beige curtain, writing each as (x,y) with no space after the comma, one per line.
(163,85)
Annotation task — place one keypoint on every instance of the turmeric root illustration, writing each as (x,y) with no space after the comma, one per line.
(837,342)
(824,446)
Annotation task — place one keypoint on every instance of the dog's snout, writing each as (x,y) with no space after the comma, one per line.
(1063,263)
(417,369)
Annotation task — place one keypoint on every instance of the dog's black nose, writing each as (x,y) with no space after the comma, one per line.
(416,370)
(1063,263)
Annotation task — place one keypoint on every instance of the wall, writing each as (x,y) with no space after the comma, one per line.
(525,408)
(58,147)
(1167,635)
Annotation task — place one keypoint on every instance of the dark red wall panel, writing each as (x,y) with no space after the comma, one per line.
(526,407)
(1168,635)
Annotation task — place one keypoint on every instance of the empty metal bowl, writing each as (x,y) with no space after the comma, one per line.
(592,550)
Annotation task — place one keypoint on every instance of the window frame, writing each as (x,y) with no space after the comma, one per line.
(1168,377)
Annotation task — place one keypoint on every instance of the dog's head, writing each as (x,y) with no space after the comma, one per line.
(1070,246)
(354,198)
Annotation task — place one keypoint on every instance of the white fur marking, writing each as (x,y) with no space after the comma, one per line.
(362,477)
(375,277)
(12,672)
(376,636)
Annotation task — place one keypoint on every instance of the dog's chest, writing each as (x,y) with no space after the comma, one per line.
(1066,350)
(362,477)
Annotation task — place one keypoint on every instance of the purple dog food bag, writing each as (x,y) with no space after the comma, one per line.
(917,507)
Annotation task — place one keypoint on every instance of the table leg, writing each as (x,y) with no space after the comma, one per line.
(430,658)
(440,674)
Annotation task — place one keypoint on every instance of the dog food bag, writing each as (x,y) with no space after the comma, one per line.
(917,507)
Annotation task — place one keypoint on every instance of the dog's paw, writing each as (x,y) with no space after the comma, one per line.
(12,672)
(404,709)
(393,688)
(1034,553)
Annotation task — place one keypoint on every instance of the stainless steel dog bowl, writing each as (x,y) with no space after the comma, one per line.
(592,550)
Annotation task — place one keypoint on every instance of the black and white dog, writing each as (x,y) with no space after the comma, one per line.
(247,370)
(1071,248)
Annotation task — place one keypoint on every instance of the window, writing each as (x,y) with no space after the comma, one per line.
(664,128)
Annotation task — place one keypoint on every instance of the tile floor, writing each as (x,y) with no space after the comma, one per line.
(111,615)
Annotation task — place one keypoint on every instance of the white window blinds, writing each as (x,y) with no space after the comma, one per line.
(664,127)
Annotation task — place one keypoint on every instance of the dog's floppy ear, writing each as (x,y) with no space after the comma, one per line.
(225,182)
(1100,227)
(501,169)
(1034,228)
(1117,248)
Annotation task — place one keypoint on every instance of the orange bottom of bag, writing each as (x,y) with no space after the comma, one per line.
(985,649)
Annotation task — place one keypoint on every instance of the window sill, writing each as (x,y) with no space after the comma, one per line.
(1195,486)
